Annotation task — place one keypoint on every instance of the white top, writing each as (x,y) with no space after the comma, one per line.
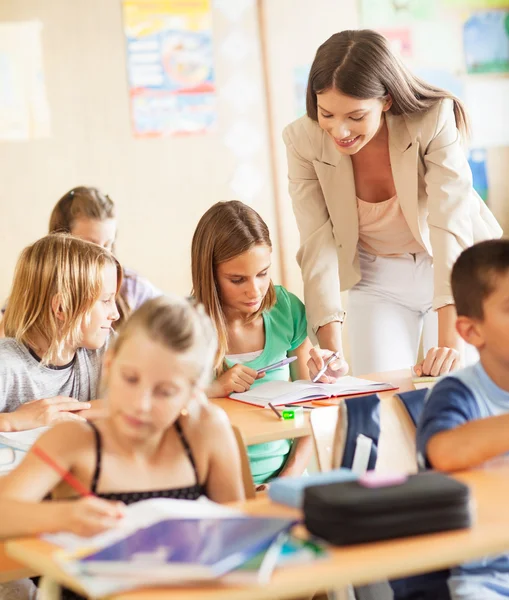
(244,358)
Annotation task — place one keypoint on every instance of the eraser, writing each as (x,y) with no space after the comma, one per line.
(372,479)
(296,412)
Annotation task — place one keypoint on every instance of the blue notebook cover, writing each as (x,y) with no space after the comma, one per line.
(186,548)
(290,490)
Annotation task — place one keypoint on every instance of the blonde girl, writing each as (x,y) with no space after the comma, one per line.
(257,323)
(58,322)
(158,440)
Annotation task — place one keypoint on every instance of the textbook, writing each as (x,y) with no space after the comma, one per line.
(14,446)
(10,458)
(175,551)
(22,440)
(279,393)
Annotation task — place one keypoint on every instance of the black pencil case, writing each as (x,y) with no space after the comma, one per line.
(350,513)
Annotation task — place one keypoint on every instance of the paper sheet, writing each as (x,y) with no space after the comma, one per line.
(24,110)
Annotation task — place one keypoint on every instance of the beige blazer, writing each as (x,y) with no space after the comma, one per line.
(434,186)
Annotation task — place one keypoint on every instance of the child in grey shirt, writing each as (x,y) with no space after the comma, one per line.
(58,323)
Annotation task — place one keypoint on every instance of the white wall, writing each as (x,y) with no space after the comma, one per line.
(294,29)
(161,186)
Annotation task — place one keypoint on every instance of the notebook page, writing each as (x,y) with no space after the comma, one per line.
(347,385)
(279,392)
(143,514)
(22,440)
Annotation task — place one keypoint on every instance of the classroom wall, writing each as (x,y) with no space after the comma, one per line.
(161,186)
(293,31)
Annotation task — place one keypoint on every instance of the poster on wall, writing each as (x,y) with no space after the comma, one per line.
(486,42)
(477,3)
(300,83)
(477,162)
(170,67)
(24,109)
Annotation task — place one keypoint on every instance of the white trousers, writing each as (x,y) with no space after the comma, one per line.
(389,310)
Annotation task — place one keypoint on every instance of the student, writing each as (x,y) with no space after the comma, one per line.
(90,215)
(87,213)
(466,415)
(59,319)
(257,323)
(159,439)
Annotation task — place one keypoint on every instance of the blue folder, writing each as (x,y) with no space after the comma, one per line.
(178,549)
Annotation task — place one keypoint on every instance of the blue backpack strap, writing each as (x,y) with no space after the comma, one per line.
(414,403)
(363,418)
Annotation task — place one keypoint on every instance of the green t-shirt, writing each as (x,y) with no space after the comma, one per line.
(285,330)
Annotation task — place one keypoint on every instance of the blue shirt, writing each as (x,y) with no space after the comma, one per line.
(455,400)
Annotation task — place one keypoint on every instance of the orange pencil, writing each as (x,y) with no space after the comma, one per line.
(66,476)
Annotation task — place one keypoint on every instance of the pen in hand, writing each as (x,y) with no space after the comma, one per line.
(334,356)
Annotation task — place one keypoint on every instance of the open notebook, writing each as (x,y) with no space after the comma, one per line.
(289,392)
(22,440)
(15,445)
(174,551)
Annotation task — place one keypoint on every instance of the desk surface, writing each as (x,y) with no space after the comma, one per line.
(356,564)
(259,425)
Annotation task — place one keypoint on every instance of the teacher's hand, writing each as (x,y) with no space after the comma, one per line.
(438,361)
(335,370)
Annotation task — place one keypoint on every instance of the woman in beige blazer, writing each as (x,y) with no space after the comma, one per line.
(383,197)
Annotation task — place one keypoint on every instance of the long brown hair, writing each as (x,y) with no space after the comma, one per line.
(360,63)
(225,231)
(61,266)
(84,202)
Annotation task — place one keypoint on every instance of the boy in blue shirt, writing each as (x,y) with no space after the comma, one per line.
(466,416)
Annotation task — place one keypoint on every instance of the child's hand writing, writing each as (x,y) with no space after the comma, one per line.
(237,379)
(89,516)
(39,413)
(335,370)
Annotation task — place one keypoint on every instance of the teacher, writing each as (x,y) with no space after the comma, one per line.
(383,197)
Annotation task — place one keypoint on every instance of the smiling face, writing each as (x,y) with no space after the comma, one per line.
(96,327)
(350,122)
(148,386)
(244,280)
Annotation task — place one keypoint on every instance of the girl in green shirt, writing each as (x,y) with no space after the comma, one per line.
(257,322)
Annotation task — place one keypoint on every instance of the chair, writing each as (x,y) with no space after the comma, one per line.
(247,478)
(323,426)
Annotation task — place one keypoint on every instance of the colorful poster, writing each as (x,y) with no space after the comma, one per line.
(400,40)
(477,162)
(477,3)
(486,42)
(24,109)
(300,83)
(442,78)
(170,66)
(391,13)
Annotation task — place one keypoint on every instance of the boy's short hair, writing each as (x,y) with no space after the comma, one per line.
(474,275)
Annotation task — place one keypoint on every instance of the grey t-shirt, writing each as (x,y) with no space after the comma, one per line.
(24,378)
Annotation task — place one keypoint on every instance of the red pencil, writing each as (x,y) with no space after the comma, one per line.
(66,476)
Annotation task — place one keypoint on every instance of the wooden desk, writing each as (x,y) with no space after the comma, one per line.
(259,425)
(358,565)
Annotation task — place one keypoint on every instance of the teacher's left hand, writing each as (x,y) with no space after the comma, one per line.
(438,361)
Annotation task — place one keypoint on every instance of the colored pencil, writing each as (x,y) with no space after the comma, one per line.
(66,476)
